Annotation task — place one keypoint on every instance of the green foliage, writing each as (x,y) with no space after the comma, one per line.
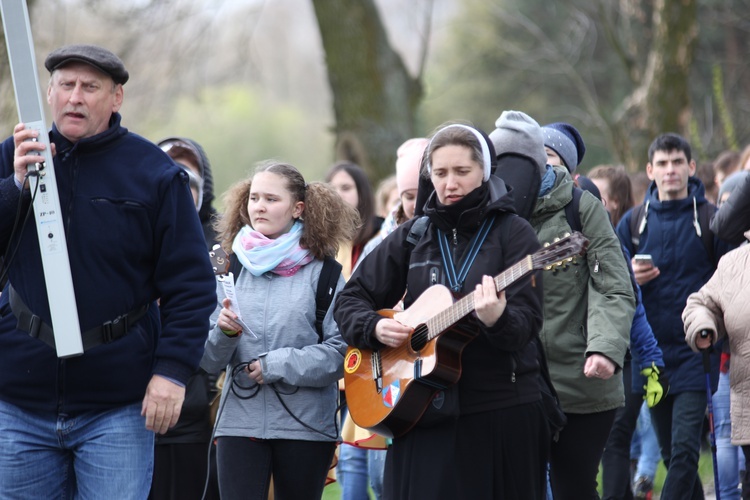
(238,128)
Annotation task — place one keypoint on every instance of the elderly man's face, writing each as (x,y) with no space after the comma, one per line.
(82,99)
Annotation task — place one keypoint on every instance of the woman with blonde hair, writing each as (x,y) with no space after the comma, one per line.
(278,405)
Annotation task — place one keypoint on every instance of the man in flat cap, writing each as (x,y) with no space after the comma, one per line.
(133,237)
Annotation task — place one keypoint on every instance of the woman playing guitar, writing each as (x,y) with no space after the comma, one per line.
(486,435)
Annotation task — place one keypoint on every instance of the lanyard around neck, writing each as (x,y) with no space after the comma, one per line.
(456,281)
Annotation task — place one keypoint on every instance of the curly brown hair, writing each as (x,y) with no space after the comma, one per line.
(328,220)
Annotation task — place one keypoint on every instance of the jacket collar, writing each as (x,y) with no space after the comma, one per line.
(114,132)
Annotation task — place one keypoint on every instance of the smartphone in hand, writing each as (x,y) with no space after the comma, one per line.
(643,258)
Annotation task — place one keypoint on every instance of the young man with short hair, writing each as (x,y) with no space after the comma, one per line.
(669,229)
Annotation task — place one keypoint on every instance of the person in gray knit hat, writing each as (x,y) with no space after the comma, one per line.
(521,159)
(518,133)
(587,313)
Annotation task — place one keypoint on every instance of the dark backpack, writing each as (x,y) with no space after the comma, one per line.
(705,212)
(327,281)
(572,213)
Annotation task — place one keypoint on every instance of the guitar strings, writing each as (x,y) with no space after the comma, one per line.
(459,309)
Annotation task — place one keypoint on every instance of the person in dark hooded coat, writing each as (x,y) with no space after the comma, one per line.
(180,455)
(486,437)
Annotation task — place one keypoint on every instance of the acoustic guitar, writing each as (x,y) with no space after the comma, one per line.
(388,389)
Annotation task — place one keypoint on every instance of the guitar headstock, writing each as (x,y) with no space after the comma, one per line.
(219,260)
(560,252)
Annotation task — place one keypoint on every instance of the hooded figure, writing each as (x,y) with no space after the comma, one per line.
(182,147)
(521,159)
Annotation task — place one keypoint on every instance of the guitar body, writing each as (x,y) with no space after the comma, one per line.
(388,390)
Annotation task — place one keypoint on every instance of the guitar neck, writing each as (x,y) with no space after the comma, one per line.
(462,307)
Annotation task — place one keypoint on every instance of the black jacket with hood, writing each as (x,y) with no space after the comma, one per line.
(499,366)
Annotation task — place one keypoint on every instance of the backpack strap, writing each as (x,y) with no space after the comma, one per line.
(417,230)
(235,266)
(572,210)
(705,214)
(636,220)
(327,281)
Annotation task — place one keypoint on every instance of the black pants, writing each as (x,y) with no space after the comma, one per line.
(498,454)
(574,458)
(299,468)
(180,472)
(616,458)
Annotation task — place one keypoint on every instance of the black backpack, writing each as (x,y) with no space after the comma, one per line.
(329,277)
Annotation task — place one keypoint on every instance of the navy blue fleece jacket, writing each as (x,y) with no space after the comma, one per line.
(133,237)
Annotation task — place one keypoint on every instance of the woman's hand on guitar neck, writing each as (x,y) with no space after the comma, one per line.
(391,333)
(488,304)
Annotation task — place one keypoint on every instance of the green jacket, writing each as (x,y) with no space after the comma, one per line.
(588,308)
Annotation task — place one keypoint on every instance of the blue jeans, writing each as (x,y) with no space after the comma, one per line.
(678,420)
(726,453)
(648,446)
(106,454)
(375,467)
(351,472)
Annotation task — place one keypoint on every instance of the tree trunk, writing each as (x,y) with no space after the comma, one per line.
(661,103)
(374,97)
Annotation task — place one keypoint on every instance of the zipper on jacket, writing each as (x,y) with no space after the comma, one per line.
(596,264)
(60,385)
(73,182)
(513,365)
(433,276)
(455,236)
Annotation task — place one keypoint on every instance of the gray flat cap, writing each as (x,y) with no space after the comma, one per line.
(96,56)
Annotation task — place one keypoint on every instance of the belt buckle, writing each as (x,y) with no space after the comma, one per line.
(107,332)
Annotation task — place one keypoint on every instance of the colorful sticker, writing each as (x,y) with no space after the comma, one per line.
(352,361)
(391,394)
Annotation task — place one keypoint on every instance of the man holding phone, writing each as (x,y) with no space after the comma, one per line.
(669,232)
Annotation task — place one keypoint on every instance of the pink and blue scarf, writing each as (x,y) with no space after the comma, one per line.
(259,254)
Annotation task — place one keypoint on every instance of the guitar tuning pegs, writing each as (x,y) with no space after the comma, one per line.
(546,244)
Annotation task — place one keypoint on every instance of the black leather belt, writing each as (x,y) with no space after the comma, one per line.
(102,334)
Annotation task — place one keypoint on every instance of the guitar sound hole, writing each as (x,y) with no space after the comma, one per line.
(419,338)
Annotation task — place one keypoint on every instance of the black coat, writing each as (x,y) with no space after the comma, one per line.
(500,365)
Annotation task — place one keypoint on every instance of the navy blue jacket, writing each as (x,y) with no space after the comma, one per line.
(670,237)
(133,237)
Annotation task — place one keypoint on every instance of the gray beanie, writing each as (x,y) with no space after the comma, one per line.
(518,133)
